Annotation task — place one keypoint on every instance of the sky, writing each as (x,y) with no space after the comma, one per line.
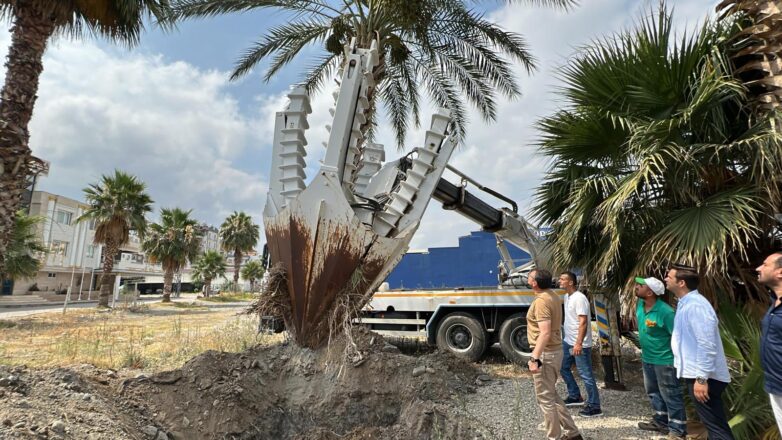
(166,111)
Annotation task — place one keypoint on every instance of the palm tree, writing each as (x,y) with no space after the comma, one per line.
(172,242)
(658,158)
(239,235)
(253,271)
(209,266)
(34,22)
(118,205)
(445,46)
(757,49)
(22,259)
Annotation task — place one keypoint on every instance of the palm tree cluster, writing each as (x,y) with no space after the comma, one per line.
(446,46)
(657,157)
(119,203)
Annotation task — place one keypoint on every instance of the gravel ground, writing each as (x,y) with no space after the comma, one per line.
(507,403)
(510,406)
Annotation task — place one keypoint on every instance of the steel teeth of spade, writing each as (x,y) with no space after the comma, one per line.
(340,236)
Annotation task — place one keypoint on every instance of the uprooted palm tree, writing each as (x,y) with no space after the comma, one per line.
(210,265)
(23,255)
(172,243)
(118,205)
(657,158)
(33,24)
(252,272)
(443,48)
(239,235)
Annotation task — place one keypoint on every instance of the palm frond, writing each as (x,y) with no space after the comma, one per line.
(285,42)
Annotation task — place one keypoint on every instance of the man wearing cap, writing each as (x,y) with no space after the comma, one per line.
(698,354)
(655,327)
(770,275)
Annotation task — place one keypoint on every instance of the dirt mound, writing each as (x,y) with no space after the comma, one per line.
(285,392)
(277,392)
(70,403)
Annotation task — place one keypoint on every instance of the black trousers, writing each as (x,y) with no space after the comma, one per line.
(712,413)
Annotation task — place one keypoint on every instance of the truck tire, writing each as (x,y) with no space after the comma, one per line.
(462,335)
(513,339)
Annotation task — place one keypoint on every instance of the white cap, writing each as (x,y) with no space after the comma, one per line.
(656,285)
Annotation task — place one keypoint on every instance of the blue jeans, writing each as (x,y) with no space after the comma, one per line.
(665,391)
(584,366)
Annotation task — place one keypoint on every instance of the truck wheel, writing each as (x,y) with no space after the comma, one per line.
(513,339)
(462,335)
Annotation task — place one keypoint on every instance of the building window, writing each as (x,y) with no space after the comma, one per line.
(92,225)
(63,217)
(51,275)
(90,251)
(59,248)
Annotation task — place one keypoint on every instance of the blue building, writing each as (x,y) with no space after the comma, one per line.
(471,264)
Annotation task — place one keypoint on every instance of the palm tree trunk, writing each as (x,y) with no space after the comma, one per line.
(207,287)
(29,35)
(106,279)
(168,280)
(237,266)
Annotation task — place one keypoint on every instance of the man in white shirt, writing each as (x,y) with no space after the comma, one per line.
(698,354)
(577,348)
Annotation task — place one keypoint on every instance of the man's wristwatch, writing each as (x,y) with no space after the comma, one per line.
(537,361)
(701,380)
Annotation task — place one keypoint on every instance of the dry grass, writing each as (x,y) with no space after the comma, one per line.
(231,297)
(156,338)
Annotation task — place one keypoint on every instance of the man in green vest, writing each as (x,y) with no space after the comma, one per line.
(655,327)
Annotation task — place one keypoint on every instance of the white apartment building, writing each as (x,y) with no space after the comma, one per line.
(74,259)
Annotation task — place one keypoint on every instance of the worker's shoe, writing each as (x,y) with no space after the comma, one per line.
(574,401)
(577,437)
(652,425)
(590,411)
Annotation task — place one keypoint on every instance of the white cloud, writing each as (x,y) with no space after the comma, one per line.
(169,123)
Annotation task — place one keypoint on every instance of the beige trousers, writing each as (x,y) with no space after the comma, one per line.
(556,417)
